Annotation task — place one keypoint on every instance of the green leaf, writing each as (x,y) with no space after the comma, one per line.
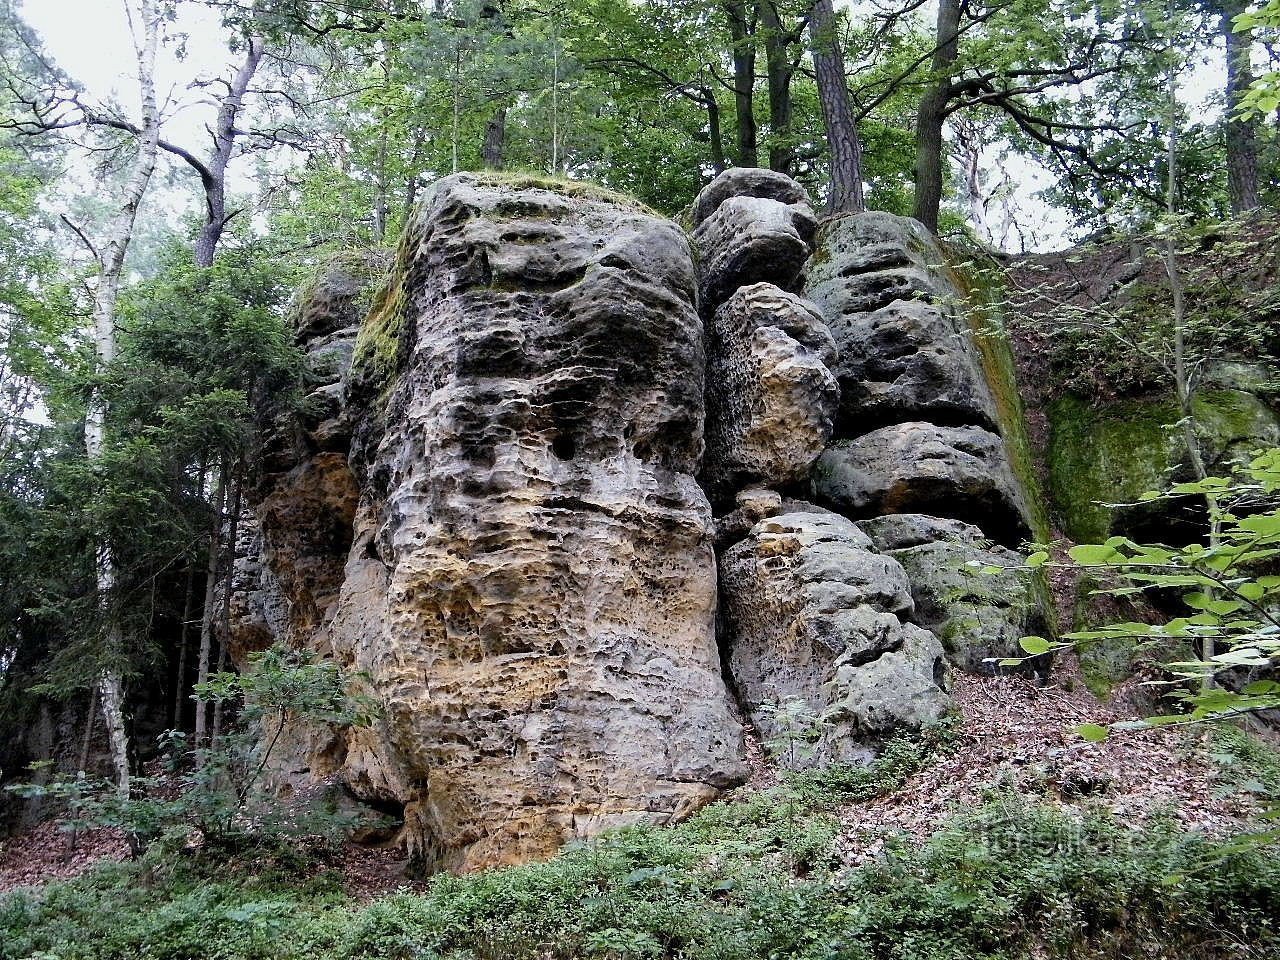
(1095,554)
(1266,525)
(1093,732)
(1038,559)
(1035,645)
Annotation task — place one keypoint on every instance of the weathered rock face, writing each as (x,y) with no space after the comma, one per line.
(750,226)
(294,542)
(770,394)
(815,614)
(905,354)
(979,617)
(495,512)
(922,468)
(532,585)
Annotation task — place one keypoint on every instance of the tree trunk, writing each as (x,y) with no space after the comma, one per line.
(214,174)
(837,113)
(184,646)
(932,114)
(233,526)
(111,261)
(718,162)
(1241,134)
(744,81)
(778,72)
(206,618)
(495,140)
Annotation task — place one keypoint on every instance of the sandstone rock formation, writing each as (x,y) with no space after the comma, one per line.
(905,351)
(958,472)
(496,510)
(917,421)
(295,543)
(750,226)
(770,394)
(531,586)
(813,613)
(978,616)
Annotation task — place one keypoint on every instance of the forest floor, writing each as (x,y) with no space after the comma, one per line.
(1013,736)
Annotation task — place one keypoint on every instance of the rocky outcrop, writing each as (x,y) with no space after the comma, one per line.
(295,540)
(496,508)
(977,613)
(917,449)
(905,352)
(1112,453)
(531,587)
(959,472)
(770,394)
(750,226)
(814,614)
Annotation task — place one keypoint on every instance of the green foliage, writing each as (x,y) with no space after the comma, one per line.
(1227,588)
(1008,880)
(214,796)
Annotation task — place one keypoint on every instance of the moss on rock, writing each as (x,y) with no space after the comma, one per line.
(1103,456)
(984,295)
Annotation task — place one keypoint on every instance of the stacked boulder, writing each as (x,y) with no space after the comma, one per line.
(917,442)
(771,396)
(812,615)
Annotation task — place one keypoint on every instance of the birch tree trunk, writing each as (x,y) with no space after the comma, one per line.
(145,28)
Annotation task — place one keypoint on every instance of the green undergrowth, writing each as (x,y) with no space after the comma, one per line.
(756,877)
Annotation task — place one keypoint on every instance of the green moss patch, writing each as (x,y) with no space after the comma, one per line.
(1103,456)
(984,296)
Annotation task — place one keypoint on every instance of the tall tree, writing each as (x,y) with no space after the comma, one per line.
(110,253)
(1241,129)
(742,27)
(842,131)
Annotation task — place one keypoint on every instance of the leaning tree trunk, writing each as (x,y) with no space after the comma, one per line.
(777,42)
(744,82)
(213,176)
(837,113)
(111,261)
(931,115)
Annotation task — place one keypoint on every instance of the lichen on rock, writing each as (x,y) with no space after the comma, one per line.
(815,614)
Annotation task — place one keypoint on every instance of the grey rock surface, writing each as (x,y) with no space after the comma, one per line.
(956,472)
(531,588)
(771,398)
(749,240)
(979,616)
(905,351)
(747,182)
(812,613)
